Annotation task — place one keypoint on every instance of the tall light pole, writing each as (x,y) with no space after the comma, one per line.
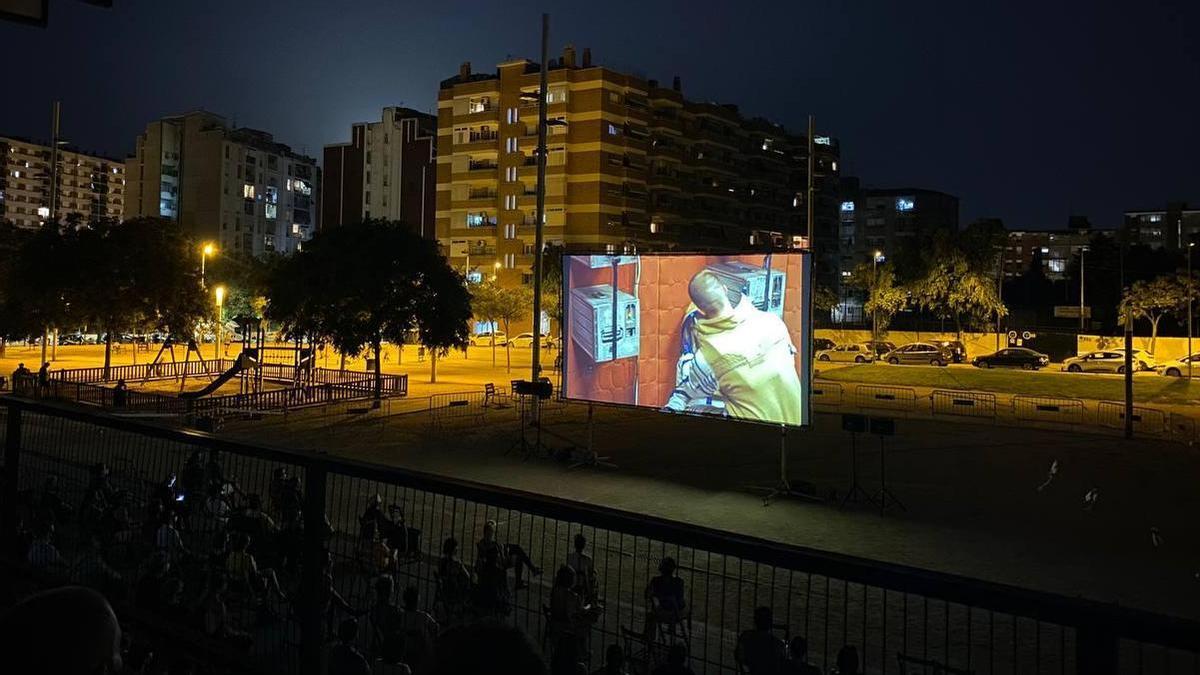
(874,284)
(1082,250)
(540,215)
(1190,289)
(205,251)
(219,291)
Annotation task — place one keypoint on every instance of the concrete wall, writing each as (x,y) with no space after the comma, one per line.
(1165,348)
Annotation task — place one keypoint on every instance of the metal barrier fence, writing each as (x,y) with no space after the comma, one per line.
(1145,420)
(963,403)
(1048,409)
(826,393)
(886,611)
(1182,428)
(886,398)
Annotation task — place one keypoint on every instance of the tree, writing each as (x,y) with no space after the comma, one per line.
(824,300)
(358,285)
(953,289)
(496,304)
(552,284)
(1152,300)
(41,279)
(246,279)
(884,298)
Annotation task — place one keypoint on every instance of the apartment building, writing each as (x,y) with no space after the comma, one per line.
(1171,228)
(630,165)
(90,186)
(238,187)
(387,170)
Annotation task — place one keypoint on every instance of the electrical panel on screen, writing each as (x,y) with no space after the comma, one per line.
(719,335)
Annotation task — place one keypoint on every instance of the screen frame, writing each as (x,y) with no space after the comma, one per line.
(806,334)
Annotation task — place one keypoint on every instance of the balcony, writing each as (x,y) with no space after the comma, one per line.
(481,194)
(481,250)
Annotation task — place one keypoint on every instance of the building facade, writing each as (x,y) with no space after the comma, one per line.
(1051,250)
(891,221)
(90,186)
(1171,228)
(630,165)
(388,170)
(235,187)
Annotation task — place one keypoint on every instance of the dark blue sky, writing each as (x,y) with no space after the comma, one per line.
(1028,111)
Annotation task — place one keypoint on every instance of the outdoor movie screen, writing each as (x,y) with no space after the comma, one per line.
(720,335)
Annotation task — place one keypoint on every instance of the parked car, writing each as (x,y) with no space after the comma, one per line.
(1108,361)
(71,339)
(880,347)
(487,339)
(525,341)
(957,349)
(919,353)
(857,353)
(823,343)
(1179,367)
(1013,357)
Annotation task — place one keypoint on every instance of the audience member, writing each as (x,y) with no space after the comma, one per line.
(759,651)
(167,540)
(243,569)
(570,615)
(491,597)
(847,661)
(93,571)
(585,569)
(614,662)
(387,628)
(676,664)
(420,629)
(490,648)
(797,663)
(506,556)
(344,657)
(43,554)
(665,597)
(454,581)
(64,631)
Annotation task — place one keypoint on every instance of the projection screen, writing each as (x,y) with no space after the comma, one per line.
(714,335)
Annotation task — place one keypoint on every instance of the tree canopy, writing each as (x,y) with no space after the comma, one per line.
(1154,299)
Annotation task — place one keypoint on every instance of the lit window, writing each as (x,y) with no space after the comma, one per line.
(16,174)
(653,227)
(846,206)
(248,191)
(834,166)
(822,140)
(905,203)
(44,211)
(272,211)
(613,130)
(295,228)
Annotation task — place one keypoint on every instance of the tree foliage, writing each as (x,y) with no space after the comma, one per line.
(497,304)
(885,299)
(1154,299)
(954,289)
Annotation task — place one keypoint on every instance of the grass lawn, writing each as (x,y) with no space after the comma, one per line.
(1147,387)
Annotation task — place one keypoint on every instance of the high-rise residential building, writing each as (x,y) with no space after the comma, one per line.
(236,187)
(630,164)
(891,221)
(1171,228)
(1051,250)
(90,186)
(387,170)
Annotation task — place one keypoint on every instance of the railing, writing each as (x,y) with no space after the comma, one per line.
(963,403)
(890,613)
(1047,409)
(885,397)
(1145,420)
(142,371)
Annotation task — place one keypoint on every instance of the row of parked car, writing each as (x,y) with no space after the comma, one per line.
(945,352)
(500,339)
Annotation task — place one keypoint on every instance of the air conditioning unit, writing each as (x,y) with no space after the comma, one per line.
(601,261)
(764,287)
(591,320)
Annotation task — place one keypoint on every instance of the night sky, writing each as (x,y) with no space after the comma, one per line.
(1026,111)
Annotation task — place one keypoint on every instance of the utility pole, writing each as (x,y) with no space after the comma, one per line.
(536,368)
(52,211)
(1081,252)
(1190,290)
(999,290)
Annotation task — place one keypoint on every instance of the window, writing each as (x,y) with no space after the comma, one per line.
(557,95)
(510,174)
(510,260)
(272,195)
(510,231)
(368,157)
(510,144)
(368,198)
(248,191)
(614,130)
(654,227)
(476,105)
(847,207)
(368,176)
(904,204)
(513,116)
(271,211)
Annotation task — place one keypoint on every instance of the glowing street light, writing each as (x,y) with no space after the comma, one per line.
(875,258)
(219,292)
(205,251)
(495,270)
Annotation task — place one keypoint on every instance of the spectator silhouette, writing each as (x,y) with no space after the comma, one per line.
(43,378)
(43,554)
(490,648)
(64,631)
(797,663)
(387,628)
(506,555)
(120,394)
(420,629)
(614,662)
(454,581)
(585,569)
(847,660)
(676,664)
(491,592)
(759,651)
(344,657)
(570,615)
(93,570)
(665,595)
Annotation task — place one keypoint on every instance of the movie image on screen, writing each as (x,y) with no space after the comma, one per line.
(720,335)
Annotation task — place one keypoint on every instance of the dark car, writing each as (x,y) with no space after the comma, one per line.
(880,347)
(919,353)
(821,344)
(957,349)
(1013,357)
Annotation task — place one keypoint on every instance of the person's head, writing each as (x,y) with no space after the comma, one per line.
(410,597)
(565,577)
(121,383)
(384,586)
(38,628)
(449,547)
(489,530)
(280,472)
(375,501)
(677,655)
(491,648)
(614,657)
(798,648)
(667,567)
(763,619)
(46,364)
(847,660)
(348,630)
(709,295)
(580,542)
(20,366)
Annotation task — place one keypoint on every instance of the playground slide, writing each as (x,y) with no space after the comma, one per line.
(242,363)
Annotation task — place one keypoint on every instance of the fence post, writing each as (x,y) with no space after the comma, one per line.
(1096,650)
(312,593)
(12,468)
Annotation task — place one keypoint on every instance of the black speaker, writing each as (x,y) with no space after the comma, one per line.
(855,424)
(541,389)
(883,426)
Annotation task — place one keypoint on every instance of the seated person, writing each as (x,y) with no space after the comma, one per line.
(797,662)
(506,555)
(569,612)
(420,629)
(491,596)
(454,581)
(665,597)
(387,628)
(243,569)
(585,569)
(759,651)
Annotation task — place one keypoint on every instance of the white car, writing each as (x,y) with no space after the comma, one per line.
(1108,361)
(525,341)
(488,339)
(856,353)
(1179,367)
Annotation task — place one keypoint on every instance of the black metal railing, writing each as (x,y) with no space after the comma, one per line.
(892,614)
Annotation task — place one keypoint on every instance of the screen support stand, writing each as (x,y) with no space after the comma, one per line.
(886,498)
(855,493)
(784,487)
(590,458)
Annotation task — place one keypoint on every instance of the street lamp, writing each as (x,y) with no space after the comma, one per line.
(875,258)
(205,251)
(1082,250)
(219,291)
(495,270)
(1190,289)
